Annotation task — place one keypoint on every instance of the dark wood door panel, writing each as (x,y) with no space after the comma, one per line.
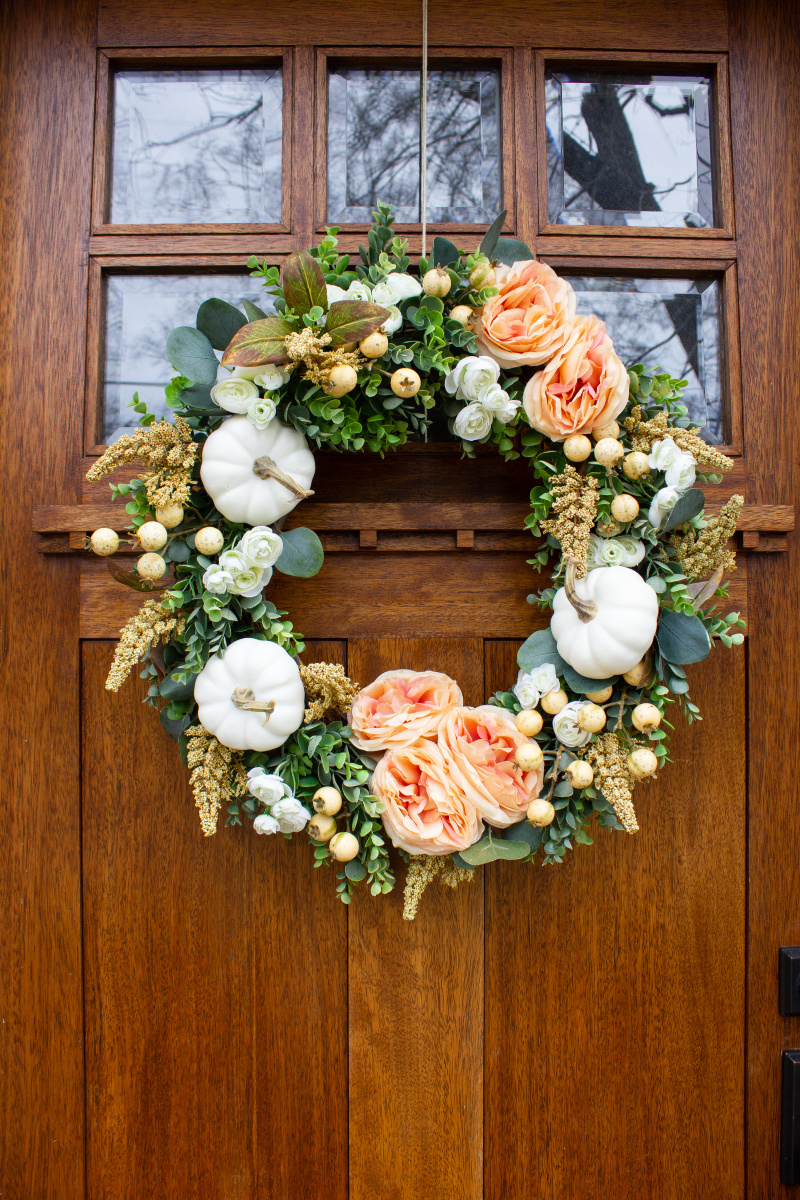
(215,982)
(615,985)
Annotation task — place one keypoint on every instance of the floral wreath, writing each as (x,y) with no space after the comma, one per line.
(362,357)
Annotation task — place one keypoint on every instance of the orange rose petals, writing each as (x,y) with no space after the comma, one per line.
(529,319)
(425,812)
(400,706)
(478,746)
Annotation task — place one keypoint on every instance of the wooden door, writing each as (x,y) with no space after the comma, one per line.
(186,1017)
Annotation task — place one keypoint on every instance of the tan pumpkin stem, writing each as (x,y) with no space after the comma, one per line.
(586,609)
(245,698)
(266,468)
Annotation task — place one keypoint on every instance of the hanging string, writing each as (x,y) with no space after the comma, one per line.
(423,132)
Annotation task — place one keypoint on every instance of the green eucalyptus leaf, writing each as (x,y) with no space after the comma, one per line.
(170,689)
(444,252)
(174,728)
(582,683)
(303,283)
(254,313)
(352,320)
(302,553)
(462,862)
(523,831)
(690,504)
(540,648)
(491,847)
(219,321)
(258,343)
(191,353)
(510,250)
(490,238)
(198,396)
(682,637)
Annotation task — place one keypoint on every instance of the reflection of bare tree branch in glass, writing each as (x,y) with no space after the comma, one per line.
(613,176)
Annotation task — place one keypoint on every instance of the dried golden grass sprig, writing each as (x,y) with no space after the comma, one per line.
(701,551)
(217,775)
(151,625)
(422,870)
(644,435)
(575,509)
(328,689)
(609,760)
(168,449)
(308,347)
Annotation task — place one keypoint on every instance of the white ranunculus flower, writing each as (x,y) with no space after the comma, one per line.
(473,423)
(470,376)
(272,377)
(262,412)
(612,553)
(247,579)
(663,502)
(394,322)
(359,289)
(261,546)
(269,789)
(235,395)
(498,402)
(265,824)
(663,454)
(634,550)
(396,287)
(526,691)
(681,473)
(566,727)
(245,372)
(334,293)
(217,580)
(290,815)
(594,553)
(545,679)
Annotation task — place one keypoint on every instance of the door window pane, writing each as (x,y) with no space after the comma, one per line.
(196,146)
(628,150)
(673,324)
(374,144)
(140,310)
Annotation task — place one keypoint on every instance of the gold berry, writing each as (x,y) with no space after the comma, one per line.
(642,763)
(553,702)
(327,800)
(529,756)
(609,430)
(579,773)
(405,383)
(639,673)
(482,275)
(529,722)
(170,516)
(341,380)
(151,566)
(601,696)
(208,540)
(608,451)
(541,813)
(152,535)
(591,717)
(577,448)
(321,828)
(636,465)
(343,847)
(462,313)
(646,716)
(625,509)
(436,282)
(374,345)
(104,542)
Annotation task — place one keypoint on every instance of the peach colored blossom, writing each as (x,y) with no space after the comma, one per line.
(583,387)
(400,706)
(478,746)
(425,811)
(529,319)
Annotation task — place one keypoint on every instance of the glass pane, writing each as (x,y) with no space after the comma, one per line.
(140,310)
(632,150)
(673,324)
(196,146)
(374,140)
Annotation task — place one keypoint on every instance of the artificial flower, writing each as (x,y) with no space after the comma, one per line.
(290,814)
(235,395)
(396,287)
(247,579)
(265,824)
(471,376)
(272,377)
(634,550)
(334,293)
(526,691)
(246,372)
(425,812)
(217,580)
(400,706)
(269,789)
(261,412)
(566,727)
(478,746)
(583,387)
(393,322)
(498,403)
(472,423)
(662,503)
(532,685)
(681,473)
(528,320)
(261,546)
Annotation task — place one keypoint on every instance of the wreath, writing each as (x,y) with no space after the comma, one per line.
(363,357)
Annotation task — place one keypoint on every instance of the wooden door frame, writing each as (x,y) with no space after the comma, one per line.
(48,49)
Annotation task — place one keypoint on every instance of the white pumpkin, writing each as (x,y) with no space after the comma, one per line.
(605,623)
(255,476)
(251,696)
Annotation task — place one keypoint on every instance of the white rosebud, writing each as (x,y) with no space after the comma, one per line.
(394,322)
(290,815)
(663,502)
(526,691)
(663,454)
(217,580)
(566,727)
(473,423)
(498,402)
(265,824)
(273,377)
(247,579)
(269,789)
(359,289)
(545,679)
(261,546)
(235,395)
(334,293)
(634,550)
(612,553)
(396,287)
(261,412)
(470,376)
(681,473)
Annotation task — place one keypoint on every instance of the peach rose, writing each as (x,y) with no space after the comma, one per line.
(584,386)
(425,811)
(478,746)
(400,706)
(529,319)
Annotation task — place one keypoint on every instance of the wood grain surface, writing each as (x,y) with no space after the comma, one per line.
(216,982)
(416,993)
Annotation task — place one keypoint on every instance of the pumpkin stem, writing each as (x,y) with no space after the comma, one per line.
(266,468)
(245,698)
(586,609)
